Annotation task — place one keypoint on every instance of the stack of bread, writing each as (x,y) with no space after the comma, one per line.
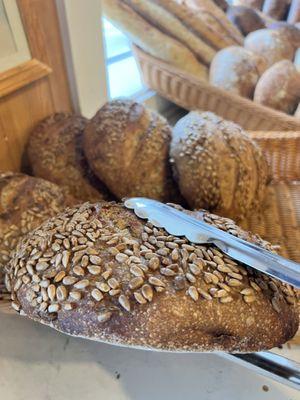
(266,69)
(96,270)
(184,33)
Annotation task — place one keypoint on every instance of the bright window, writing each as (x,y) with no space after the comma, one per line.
(123,73)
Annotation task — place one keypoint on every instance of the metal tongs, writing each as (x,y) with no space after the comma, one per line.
(177,223)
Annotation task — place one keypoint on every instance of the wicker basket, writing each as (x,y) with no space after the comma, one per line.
(190,93)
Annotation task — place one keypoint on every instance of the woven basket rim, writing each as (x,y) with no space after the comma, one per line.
(204,85)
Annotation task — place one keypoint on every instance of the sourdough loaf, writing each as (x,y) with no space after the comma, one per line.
(279,87)
(127,147)
(151,39)
(237,70)
(55,153)
(99,272)
(217,165)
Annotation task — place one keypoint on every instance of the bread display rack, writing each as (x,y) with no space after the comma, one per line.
(191,94)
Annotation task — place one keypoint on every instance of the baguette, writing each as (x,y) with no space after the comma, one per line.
(203,23)
(152,40)
(172,26)
(213,9)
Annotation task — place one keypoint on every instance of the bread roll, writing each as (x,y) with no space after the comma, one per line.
(271,44)
(291,32)
(217,166)
(25,202)
(294,12)
(127,147)
(205,24)
(237,70)
(276,8)
(55,153)
(135,285)
(172,26)
(279,87)
(152,40)
(246,19)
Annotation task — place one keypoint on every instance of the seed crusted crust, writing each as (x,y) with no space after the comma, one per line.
(99,272)
(55,153)
(25,202)
(217,166)
(127,147)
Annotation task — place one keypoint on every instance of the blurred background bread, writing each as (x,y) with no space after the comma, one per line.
(279,87)
(237,70)
(294,12)
(271,44)
(127,147)
(246,19)
(276,9)
(217,166)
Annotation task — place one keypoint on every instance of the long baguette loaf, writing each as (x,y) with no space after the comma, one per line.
(168,23)
(225,23)
(151,39)
(203,23)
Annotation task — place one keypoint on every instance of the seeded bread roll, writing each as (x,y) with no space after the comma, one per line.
(114,279)
(151,39)
(237,70)
(246,19)
(172,26)
(127,147)
(271,44)
(55,153)
(25,202)
(217,166)
(279,87)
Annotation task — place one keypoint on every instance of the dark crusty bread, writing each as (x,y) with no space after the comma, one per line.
(237,70)
(217,165)
(279,87)
(127,147)
(101,273)
(55,153)
(25,202)
(276,9)
(246,19)
(271,44)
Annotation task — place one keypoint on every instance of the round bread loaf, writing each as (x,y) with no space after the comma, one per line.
(291,32)
(217,165)
(99,272)
(246,19)
(271,44)
(279,87)
(237,70)
(55,153)
(127,147)
(25,202)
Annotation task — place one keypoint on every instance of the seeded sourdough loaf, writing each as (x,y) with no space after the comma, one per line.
(99,272)
(55,153)
(25,202)
(127,147)
(217,166)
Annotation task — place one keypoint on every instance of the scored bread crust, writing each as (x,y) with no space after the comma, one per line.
(166,295)
(55,153)
(127,147)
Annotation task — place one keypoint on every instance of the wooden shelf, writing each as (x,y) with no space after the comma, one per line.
(22,75)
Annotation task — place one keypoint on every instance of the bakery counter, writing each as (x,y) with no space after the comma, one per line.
(37,363)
